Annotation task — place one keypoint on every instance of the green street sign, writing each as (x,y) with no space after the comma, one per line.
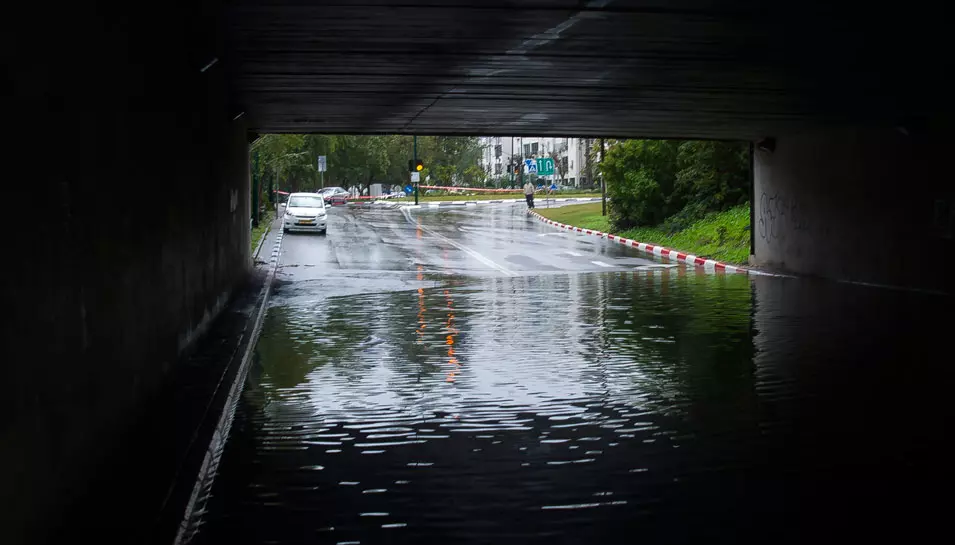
(545,166)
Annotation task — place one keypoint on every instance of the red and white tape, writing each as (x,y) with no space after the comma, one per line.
(472,189)
(658,251)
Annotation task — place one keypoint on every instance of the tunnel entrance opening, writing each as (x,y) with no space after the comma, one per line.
(156,107)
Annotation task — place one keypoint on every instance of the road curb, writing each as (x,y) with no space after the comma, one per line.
(188,525)
(659,251)
(446,204)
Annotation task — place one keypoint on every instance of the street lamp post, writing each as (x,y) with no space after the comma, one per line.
(603,186)
(255,188)
(414,157)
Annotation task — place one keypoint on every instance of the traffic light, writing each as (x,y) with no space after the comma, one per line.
(517,168)
(419,165)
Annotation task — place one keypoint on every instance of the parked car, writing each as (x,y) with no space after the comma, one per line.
(338,199)
(305,212)
(335,195)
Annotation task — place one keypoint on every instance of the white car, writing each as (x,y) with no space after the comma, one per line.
(334,195)
(305,212)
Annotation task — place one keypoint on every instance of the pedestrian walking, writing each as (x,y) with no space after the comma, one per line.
(529,194)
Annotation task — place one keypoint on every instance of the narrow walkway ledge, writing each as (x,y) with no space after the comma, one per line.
(659,251)
(145,485)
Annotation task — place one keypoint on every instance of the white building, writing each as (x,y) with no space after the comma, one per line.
(569,155)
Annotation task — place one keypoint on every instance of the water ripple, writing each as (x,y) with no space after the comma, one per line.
(518,410)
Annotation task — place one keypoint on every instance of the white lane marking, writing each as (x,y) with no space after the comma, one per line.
(461,247)
(551,235)
(601,263)
(575,254)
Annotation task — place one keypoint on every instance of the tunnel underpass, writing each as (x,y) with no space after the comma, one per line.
(130,130)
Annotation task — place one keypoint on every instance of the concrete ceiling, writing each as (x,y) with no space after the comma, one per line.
(658,68)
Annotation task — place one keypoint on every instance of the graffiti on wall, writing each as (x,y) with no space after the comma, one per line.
(779,215)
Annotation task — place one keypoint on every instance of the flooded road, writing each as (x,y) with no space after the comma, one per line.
(473,377)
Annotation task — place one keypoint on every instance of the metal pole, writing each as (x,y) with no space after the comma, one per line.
(511,173)
(414,158)
(520,172)
(255,189)
(603,186)
(752,202)
(520,175)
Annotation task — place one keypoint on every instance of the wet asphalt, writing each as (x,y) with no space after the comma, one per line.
(471,375)
(487,241)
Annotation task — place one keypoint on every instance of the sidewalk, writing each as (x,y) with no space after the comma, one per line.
(261,254)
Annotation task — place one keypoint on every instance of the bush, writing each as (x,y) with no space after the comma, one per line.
(715,174)
(635,199)
(688,215)
(653,182)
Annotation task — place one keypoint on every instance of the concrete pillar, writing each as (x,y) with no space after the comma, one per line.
(863,205)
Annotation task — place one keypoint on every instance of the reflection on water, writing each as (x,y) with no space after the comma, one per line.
(659,407)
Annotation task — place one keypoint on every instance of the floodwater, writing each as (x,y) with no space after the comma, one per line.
(645,406)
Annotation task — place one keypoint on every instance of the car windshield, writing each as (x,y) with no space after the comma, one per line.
(305,201)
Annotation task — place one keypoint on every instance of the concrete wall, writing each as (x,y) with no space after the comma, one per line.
(867,205)
(127,227)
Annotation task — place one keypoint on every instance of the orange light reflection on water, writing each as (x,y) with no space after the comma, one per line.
(449,339)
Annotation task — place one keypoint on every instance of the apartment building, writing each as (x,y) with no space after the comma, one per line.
(570,157)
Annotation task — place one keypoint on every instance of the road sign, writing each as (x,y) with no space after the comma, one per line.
(545,166)
(408,189)
(322,165)
(530,166)
(415,177)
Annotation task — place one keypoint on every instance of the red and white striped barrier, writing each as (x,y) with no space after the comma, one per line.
(476,189)
(659,251)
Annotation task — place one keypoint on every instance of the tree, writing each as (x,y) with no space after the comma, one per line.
(474,176)
(289,161)
(588,145)
(320,144)
(650,181)
(399,151)
(360,160)
(636,197)
(713,175)
(282,160)
(448,158)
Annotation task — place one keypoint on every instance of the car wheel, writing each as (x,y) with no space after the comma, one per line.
(285,230)
(323,232)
